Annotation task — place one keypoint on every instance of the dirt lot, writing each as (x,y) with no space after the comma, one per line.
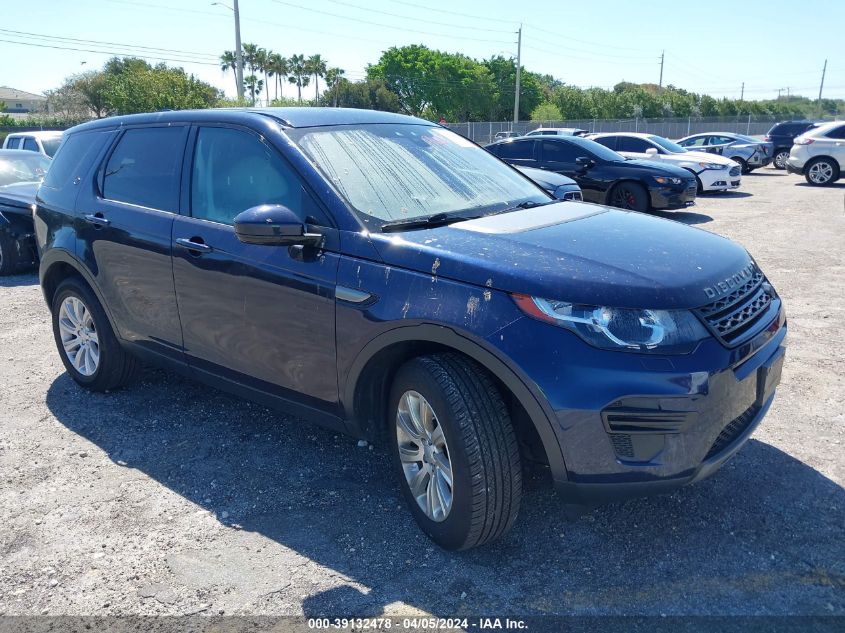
(170,498)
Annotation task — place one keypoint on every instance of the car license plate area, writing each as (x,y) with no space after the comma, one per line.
(768,376)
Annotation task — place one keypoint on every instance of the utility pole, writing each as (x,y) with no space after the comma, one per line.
(518,68)
(662,55)
(779,91)
(742,92)
(821,86)
(238,52)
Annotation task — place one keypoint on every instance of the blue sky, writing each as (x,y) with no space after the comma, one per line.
(710,47)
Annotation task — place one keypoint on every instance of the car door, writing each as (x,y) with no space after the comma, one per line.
(835,139)
(262,316)
(124,232)
(559,155)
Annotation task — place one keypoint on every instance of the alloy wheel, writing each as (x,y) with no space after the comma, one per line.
(625,198)
(424,455)
(780,159)
(79,336)
(820,172)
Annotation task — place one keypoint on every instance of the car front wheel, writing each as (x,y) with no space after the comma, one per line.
(630,195)
(8,253)
(454,450)
(821,171)
(781,156)
(87,345)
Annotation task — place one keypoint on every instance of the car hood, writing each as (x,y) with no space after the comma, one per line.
(18,197)
(576,252)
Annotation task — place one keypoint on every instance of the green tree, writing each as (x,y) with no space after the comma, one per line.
(254,85)
(298,72)
(333,76)
(93,86)
(316,66)
(546,111)
(277,66)
(229,61)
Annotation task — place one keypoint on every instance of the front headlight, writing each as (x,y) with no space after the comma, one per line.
(663,180)
(650,331)
(711,166)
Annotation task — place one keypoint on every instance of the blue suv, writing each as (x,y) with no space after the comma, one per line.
(388,278)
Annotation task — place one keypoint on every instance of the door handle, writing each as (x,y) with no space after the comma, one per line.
(97,219)
(192,245)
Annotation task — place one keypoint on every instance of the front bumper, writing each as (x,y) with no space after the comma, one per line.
(675,196)
(637,424)
(719,179)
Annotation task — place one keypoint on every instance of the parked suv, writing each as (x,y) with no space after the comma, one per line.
(386,277)
(781,136)
(819,154)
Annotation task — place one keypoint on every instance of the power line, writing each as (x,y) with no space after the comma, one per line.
(415,19)
(105,52)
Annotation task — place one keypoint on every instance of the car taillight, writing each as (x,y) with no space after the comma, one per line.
(802,141)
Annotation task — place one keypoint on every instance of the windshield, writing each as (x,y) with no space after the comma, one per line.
(668,145)
(51,145)
(28,167)
(390,172)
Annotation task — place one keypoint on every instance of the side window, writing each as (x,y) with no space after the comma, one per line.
(720,140)
(608,141)
(837,132)
(632,144)
(234,171)
(73,158)
(30,144)
(560,152)
(13,142)
(698,141)
(516,150)
(145,166)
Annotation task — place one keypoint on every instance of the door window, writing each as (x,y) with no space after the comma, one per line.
(145,166)
(720,140)
(234,171)
(13,142)
(698,141)
(516,150)
(560,152)
(608,141)
(837,133)
(30,144)
(633,144)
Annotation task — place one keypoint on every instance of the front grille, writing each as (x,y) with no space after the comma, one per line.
(735,171)
(731,317)
(573,195)
(732,430)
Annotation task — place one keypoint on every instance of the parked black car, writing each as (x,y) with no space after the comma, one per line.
(604,176)
(20,174)
(781,137)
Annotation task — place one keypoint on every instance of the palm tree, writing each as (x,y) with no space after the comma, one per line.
(333,77)
(316,66)
(229,61)
(254,85)
(278,67)
(261,60)
(298,71)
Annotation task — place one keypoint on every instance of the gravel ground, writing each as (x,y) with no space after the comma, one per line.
(170,498)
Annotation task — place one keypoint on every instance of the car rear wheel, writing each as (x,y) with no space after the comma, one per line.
(8,253)
(743,166)
(629,195)
(87,345)
(781,156)
(454,450)
(821,171)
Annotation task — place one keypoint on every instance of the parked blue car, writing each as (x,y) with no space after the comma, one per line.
(388,278)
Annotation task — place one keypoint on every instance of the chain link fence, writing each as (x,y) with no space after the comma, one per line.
(673,128)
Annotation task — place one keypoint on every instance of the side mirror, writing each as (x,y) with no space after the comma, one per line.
(585,161)
(651,152)
(273,225)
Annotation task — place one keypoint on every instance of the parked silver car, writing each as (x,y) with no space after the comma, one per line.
(751,153)
(819,154)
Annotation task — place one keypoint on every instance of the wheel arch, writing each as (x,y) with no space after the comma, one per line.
(367,386)
(57,265)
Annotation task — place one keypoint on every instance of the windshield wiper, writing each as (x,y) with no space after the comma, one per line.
(438,219)
(531,204)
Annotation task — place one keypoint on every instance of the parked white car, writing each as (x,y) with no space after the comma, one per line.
(712,171)
(558,131)
(819,153)
(46,142)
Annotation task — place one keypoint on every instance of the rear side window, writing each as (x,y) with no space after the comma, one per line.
(234,171)
(837,132)
(73,158)
(608,141)
(632,144)
(30,144)
(698,141)
(13,142)
(145,167)
(516,150)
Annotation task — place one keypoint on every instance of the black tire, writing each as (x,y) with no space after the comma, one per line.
(779,158)
(629,195)
(699,188)
(828,168)
(743,166)
(116,368)
(482,449)
(8,253)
